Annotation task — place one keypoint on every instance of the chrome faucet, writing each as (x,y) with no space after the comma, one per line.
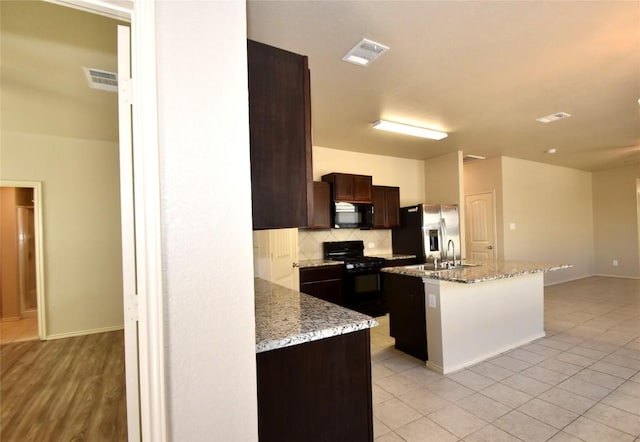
(453,247)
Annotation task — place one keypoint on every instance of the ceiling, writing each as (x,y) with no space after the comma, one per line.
(482,71)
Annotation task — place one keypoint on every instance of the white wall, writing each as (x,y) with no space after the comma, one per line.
(552,210)
(386,171)
(206,220)
(615,215)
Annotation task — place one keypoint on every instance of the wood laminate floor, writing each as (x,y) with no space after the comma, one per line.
(69,389)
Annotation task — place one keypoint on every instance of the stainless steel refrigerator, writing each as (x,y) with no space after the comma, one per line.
(428,231)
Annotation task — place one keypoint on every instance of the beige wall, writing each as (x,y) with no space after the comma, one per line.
(81,226)
(444,183)
(9,285)
(615,217)
(206,221)
(552,210)
(50,133)
(444,179)
(386,171)
(486,177)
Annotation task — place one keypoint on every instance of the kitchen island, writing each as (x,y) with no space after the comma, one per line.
(475,312)
(313,365)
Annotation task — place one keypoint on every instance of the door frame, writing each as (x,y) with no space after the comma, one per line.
(147,199)
(39,244)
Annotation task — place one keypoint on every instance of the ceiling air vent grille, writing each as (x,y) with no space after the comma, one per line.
(365,52)
(553,117)
(103,80)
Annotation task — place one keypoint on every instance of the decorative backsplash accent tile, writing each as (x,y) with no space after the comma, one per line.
(310,241)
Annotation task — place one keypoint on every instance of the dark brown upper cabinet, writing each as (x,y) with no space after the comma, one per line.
(386,207)
(350,188)
(280,135)
(321,218)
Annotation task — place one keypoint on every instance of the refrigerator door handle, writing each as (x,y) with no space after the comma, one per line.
(443,239)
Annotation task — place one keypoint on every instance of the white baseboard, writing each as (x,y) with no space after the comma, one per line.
(577,278)
(616,276)
(85,332)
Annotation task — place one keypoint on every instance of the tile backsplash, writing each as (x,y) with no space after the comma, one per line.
(376,242)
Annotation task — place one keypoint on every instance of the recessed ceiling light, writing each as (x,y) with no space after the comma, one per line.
(551,150)
(553,117)
(406,129)
(365,52)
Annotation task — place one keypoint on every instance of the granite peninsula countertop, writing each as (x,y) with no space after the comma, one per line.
(478,272)
(285,317)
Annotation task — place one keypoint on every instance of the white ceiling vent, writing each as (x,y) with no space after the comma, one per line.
(469,158)
(553,117)
(365,52)
(103,80)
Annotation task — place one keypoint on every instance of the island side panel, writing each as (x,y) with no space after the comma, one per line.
(481,320)
(316,391)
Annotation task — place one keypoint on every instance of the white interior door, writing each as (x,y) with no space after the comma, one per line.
(480,226)
(276,256)
(284,257)
(130,292)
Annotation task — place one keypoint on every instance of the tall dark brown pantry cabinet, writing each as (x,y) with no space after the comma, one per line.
(280,135)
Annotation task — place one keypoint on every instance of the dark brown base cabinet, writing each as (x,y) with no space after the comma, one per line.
(323,282)
(316,391)
(405,300)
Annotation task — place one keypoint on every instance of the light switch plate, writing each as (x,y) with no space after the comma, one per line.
(432,300)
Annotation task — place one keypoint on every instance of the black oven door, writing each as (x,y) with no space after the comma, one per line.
(363,292)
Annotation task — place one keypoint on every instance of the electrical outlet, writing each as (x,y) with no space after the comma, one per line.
(512,226)
(615,263)
(371,245)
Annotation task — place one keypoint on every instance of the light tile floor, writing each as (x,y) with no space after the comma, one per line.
(15,331)
(579,383)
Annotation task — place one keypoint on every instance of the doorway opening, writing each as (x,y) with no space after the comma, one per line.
(22,303)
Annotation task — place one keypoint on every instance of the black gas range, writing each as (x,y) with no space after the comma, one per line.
(362,282)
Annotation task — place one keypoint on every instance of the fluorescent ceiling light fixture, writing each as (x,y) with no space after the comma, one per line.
(409,130)
(365,52)
(553,117)
(469,157)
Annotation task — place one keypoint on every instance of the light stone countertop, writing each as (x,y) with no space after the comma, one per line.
(285,317)
(306,263)
(480,272)
(393,256)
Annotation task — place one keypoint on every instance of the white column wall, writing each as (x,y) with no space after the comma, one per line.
(206,220)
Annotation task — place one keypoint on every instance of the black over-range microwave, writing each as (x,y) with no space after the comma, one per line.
(352,216)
